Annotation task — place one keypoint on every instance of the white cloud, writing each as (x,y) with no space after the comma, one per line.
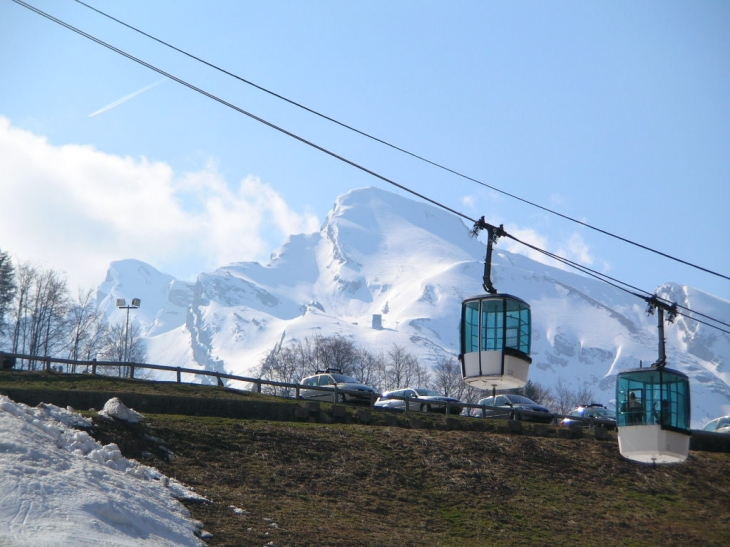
(528,236)
(574,248)
(76,209)
(468,201)
(577,250)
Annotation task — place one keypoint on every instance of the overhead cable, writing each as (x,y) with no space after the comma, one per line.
(623,286)
(234,107)
(399,149)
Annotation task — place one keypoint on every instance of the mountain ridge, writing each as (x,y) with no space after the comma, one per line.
(378,253)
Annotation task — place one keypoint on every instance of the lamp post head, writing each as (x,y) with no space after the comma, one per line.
(122,303)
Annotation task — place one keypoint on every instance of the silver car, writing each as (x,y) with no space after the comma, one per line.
(718,425)
(419,398)
(332,386)
(592,414)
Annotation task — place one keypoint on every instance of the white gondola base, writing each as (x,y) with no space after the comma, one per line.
(490,375)
(652,444)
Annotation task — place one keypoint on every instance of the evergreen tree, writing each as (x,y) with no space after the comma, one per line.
(7,287)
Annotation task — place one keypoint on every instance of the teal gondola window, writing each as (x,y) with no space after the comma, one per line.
(492,324)
(662,395)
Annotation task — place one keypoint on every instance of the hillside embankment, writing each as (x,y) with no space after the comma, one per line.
(287,473)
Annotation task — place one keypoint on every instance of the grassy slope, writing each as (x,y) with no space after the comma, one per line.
(355,485)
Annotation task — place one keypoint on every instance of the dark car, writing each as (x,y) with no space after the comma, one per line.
(590,415)
(513,407)
(419,398)
(332,386)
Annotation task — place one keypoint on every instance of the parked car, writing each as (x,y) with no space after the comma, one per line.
(333,383)
(423,399)
(718,425)
(592,414)
(515,407)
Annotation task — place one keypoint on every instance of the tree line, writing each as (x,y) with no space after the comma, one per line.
(40,317)
(392,369)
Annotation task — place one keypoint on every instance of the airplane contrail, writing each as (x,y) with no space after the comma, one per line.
(124,99)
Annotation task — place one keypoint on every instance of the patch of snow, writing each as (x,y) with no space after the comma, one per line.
(115,408)
(62,488)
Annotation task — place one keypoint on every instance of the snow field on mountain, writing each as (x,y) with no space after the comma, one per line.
(378,253)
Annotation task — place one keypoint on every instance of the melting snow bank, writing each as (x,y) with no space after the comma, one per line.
(60,487)
(115,408)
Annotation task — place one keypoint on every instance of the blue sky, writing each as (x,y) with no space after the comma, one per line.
(614,113)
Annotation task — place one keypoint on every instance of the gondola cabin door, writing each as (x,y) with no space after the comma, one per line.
(495,341)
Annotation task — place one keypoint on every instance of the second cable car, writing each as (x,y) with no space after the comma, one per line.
(495,332)
(653,415)
(653,407)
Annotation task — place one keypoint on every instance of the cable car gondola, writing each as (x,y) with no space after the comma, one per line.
(653,406)
(653,415)
(495,341)
(495,332)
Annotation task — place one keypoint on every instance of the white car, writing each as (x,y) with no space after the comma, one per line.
(419,398)
(332,386)
(718,425)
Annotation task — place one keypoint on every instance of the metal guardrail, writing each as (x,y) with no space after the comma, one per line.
(416,401)
(9,361)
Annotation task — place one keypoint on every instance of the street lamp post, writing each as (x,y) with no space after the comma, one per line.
(122,305)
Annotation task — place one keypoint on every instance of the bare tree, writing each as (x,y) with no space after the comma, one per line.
(117,340)
(566,399)
(280,365)
(51,309)
(583,396)
(95,339)
(322,352)
(538,393)
(114,347)
(87,328)
(136,346)
(396,371)
(20,309)
(447,378)
(403,370)
(308,354)
(369,368)
(38,312)
(291,364)
(337,352)
(472,394)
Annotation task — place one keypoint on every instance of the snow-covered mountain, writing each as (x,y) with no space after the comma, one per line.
(412,263)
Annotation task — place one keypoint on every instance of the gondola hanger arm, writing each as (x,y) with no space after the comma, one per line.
(495,232)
